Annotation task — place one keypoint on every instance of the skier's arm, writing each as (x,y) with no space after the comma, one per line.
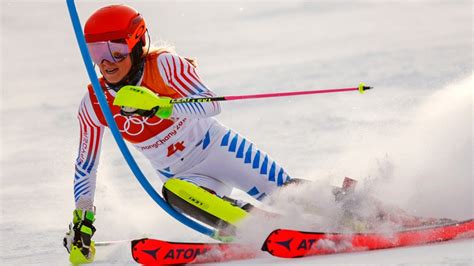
(91,131)
(78,240)
(178,73)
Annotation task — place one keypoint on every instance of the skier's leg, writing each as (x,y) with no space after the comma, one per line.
(227,161)
(238,163)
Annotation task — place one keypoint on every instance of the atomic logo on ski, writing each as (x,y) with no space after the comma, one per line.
(152,252)
(186,253)
(305,244)
(286,243)
(157,252)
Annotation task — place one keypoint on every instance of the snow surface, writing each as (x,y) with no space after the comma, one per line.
(409,140)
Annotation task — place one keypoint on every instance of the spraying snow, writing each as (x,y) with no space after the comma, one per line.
(428,168)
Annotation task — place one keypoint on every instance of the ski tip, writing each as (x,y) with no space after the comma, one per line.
(265,243)
(134,247)
(137,241)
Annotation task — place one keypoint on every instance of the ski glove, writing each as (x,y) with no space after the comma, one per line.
(78,240)
(163,110)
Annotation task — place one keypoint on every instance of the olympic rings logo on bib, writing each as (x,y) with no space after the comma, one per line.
(134,125)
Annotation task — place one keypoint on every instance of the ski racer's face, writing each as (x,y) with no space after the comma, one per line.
(114,72)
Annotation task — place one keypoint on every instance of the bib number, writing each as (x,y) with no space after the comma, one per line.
(173,148)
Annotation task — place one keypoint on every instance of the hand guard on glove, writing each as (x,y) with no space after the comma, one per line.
(136,100)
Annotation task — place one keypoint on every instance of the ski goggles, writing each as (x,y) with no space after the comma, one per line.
(110,51)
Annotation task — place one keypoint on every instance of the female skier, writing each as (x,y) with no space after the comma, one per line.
(189,149)
(185,143)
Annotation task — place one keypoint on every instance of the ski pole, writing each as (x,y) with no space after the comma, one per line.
(362,88)
(144,99)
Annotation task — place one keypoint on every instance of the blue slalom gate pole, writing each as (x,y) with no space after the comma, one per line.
(116,133)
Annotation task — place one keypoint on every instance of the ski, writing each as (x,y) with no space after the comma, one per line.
(158,252)
(292,243)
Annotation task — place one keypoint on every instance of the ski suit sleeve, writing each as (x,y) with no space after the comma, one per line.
(181,75)
(91,132)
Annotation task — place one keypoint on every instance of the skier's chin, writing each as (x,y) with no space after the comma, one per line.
(113,78)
